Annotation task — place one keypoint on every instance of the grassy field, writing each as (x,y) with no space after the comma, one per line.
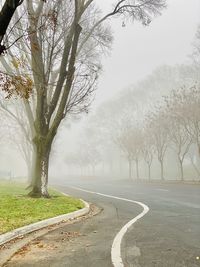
(17,209)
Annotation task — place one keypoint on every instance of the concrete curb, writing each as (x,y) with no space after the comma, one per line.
(4,238)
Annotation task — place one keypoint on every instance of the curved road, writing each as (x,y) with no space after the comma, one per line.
(167,236)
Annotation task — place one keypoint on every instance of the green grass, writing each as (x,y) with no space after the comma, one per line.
(17,209)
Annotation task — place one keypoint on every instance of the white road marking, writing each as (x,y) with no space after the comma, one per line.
(116,246)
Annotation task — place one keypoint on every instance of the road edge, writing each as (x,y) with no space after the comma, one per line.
(116,257)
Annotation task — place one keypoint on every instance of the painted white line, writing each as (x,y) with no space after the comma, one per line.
(116,246)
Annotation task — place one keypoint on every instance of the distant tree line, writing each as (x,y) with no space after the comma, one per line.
(174,125)
(154,120)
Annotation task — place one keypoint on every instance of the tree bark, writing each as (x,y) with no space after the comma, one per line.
(41,166)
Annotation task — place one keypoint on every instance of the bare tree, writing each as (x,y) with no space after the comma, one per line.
(158,130)
(124,142)
(64,41)
(185,106)
(180,138)
(129,140)
(148,150)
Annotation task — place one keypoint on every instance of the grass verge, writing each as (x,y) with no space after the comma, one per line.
(17,209)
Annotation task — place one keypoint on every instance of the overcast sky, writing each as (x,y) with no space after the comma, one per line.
(138,50)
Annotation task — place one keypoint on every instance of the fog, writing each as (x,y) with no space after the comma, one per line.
(128,87)
(100,133)
(137,52)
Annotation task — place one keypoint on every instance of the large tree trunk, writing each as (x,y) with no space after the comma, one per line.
(41,166)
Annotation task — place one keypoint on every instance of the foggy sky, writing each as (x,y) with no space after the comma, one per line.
(138,50)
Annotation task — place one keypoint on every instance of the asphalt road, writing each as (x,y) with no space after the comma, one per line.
(167,236)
